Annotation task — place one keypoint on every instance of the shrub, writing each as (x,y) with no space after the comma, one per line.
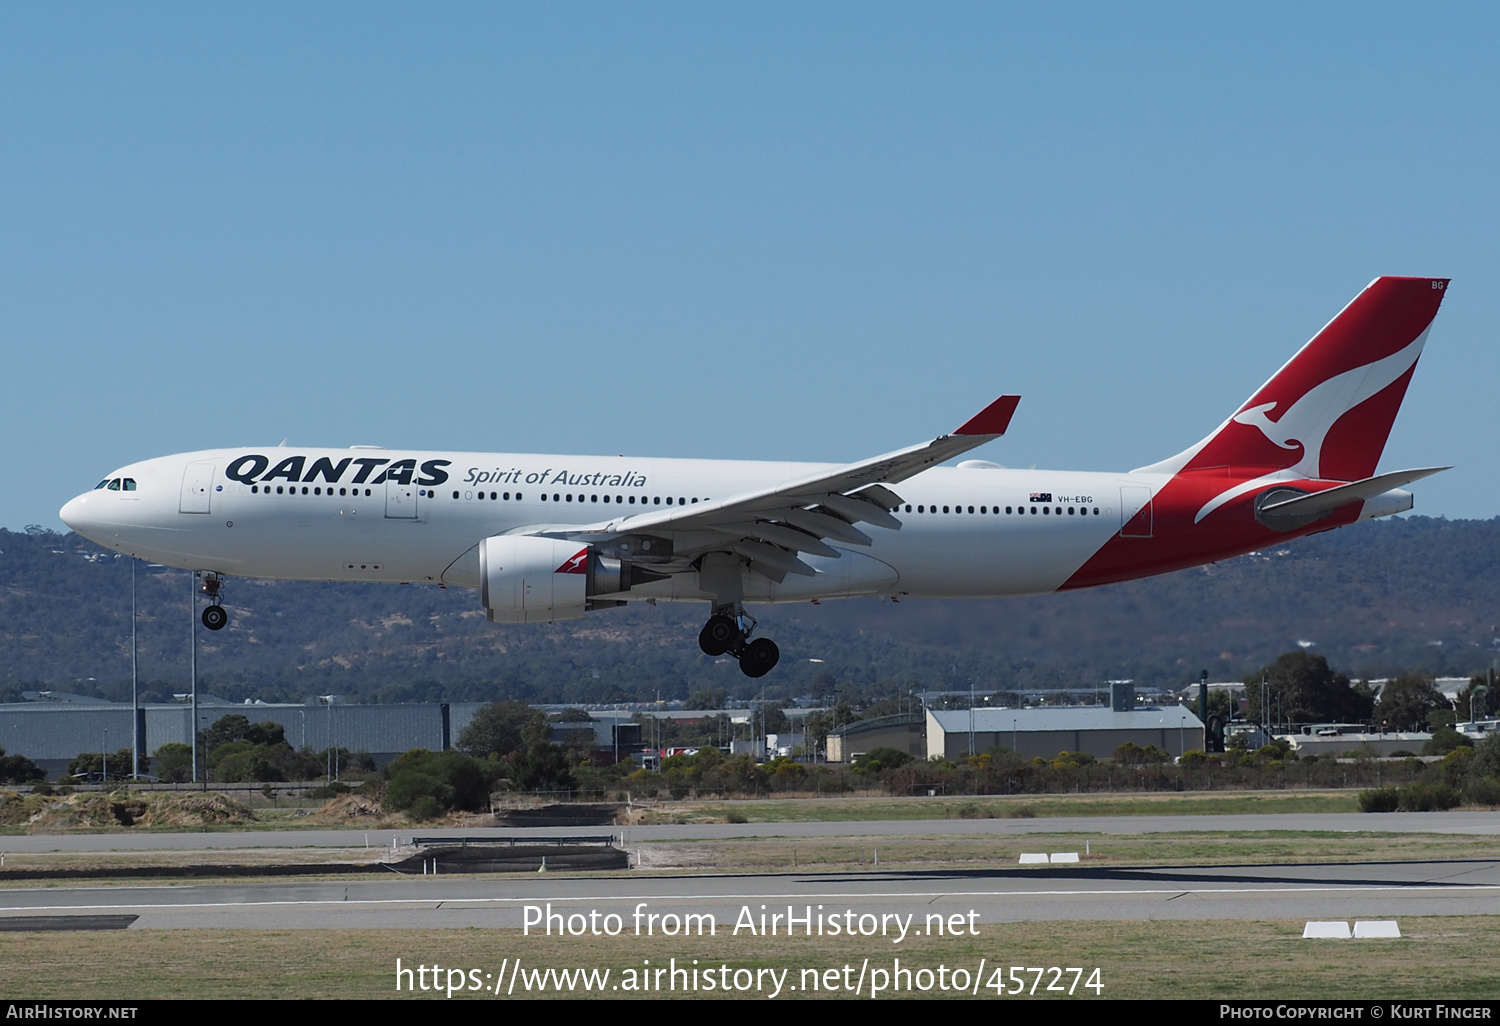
(174,762)
(1382,799)
(1483,791)
(17,769)
(877,759)
(1443,741)
(1428,797)
(426,784)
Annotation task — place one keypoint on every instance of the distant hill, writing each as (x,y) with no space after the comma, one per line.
(1412,593)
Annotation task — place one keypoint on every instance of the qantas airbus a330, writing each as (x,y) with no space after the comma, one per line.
(549,538)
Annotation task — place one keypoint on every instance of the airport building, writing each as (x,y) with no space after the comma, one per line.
(1098,730)
(53,733)
(905,733)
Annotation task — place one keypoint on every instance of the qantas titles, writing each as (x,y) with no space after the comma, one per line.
(629,479)
(254,468)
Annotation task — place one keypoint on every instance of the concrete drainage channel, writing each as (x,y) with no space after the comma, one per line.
(417,857)
(505,855)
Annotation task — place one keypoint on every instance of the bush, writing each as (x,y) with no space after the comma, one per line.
(1483,791)
(426,784)
(174,762)
(1132,754)
(1383,799)
(1277,749)
(17,769)
(877,759)
(1428,797)
(1443,741)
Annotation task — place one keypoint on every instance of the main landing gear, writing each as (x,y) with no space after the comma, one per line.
(728,631)
(215,616)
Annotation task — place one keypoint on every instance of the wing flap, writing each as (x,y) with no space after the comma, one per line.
(787,537)
(760,552)
(825,525)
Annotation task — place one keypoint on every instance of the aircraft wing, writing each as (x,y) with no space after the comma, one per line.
(771,526)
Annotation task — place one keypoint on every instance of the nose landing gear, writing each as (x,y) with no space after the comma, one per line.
(728,631)
(215,616)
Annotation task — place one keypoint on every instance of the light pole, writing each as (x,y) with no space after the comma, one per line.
(135,696)
(971,718)
(332,758)
(193,648)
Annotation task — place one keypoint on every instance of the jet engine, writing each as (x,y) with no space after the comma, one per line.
(527,579)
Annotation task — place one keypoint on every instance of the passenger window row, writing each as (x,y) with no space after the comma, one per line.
(317,490)
(1011,510)
(619,500)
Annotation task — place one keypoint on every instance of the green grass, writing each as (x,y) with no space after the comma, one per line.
(1206,848)
(844,808)
(1266,960)
(846,854)
(851,808)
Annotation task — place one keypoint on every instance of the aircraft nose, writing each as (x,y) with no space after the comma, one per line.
(75,513)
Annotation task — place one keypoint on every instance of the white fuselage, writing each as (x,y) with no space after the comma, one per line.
(965,531)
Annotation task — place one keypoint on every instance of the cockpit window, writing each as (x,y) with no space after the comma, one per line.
(130,484)
(101,484)
(114,485)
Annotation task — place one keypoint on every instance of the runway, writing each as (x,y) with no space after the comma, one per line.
(1340,891)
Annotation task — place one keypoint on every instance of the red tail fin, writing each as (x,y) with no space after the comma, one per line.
(1327,413)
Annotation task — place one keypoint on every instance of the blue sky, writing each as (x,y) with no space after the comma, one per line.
(742,231)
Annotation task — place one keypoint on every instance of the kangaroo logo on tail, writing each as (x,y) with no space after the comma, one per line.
(1326,414)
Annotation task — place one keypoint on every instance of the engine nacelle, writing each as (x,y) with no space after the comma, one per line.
(526,579)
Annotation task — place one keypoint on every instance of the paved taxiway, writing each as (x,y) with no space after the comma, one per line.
(1479,823)
(1343,891)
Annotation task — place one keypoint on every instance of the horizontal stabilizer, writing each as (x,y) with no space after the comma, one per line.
(1333,498)
(1283,509)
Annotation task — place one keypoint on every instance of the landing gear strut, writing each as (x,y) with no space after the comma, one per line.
(215,616)
(728,631)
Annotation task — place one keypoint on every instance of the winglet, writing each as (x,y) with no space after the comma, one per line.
(993,419)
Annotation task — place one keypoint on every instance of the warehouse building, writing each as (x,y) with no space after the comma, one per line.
(51,733)
(905,733)
(1098,730)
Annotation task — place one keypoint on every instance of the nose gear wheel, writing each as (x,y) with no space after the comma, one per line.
(215,617)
